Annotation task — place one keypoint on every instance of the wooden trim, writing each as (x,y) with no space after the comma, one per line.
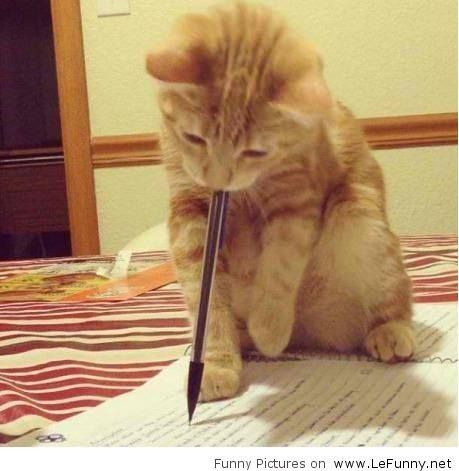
(74,112)
(30,152)
(122,151)
(382,133)
(411,131)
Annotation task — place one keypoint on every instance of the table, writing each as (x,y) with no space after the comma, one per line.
(59,359)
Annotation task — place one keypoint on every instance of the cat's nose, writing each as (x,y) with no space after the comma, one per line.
(218,176)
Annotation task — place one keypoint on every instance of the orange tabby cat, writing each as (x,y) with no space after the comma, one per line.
(308,259)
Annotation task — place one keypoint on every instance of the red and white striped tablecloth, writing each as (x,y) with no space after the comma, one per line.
(59,359)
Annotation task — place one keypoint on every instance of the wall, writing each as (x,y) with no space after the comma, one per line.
(421,188)
(382,59)
(129,200)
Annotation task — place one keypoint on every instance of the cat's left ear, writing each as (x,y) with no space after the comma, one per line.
(306,99)
(186,56)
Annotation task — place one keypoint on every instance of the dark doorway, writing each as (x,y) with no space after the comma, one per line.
(33,205)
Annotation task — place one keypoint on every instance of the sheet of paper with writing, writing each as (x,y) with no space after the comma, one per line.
(318,401)
(436,330)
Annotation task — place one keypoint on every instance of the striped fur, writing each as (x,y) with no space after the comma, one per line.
(309,259)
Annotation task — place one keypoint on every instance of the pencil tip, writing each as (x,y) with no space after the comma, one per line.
(194,387)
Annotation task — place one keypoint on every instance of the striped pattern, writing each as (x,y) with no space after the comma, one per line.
(58,359)
(432,265)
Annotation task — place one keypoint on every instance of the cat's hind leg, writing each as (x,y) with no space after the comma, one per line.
(391,342)
(356,293)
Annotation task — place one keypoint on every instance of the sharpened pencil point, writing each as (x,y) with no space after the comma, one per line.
(194,386)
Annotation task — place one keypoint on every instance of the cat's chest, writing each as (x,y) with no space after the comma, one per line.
(242,241)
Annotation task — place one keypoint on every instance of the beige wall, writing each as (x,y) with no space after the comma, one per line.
(382,58)
(421,188)
(129,200)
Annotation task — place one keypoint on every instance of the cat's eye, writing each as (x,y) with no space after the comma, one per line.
(254,153)
(194,139)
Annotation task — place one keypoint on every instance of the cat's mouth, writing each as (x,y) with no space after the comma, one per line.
(228,182)
(214,186)
(199,181)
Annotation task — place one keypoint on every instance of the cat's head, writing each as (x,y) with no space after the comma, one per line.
(238,93)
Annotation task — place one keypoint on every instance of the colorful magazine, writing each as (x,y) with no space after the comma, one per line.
(86,281)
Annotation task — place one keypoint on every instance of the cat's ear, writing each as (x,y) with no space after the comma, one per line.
(305,99)
(186,56)
(175,66)
(299,88)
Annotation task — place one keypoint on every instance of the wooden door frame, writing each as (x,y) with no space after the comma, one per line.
(76,133)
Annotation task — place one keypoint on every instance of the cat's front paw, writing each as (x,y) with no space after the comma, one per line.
(219,381)
(391,342)
(222,375)
(270,332)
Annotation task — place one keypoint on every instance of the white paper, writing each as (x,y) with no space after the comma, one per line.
(120,267)
(312,402)
(436,330)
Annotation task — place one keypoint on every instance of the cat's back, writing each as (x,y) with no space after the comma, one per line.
(361,175)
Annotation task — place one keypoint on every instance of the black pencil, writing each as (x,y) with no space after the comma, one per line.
(214,240)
